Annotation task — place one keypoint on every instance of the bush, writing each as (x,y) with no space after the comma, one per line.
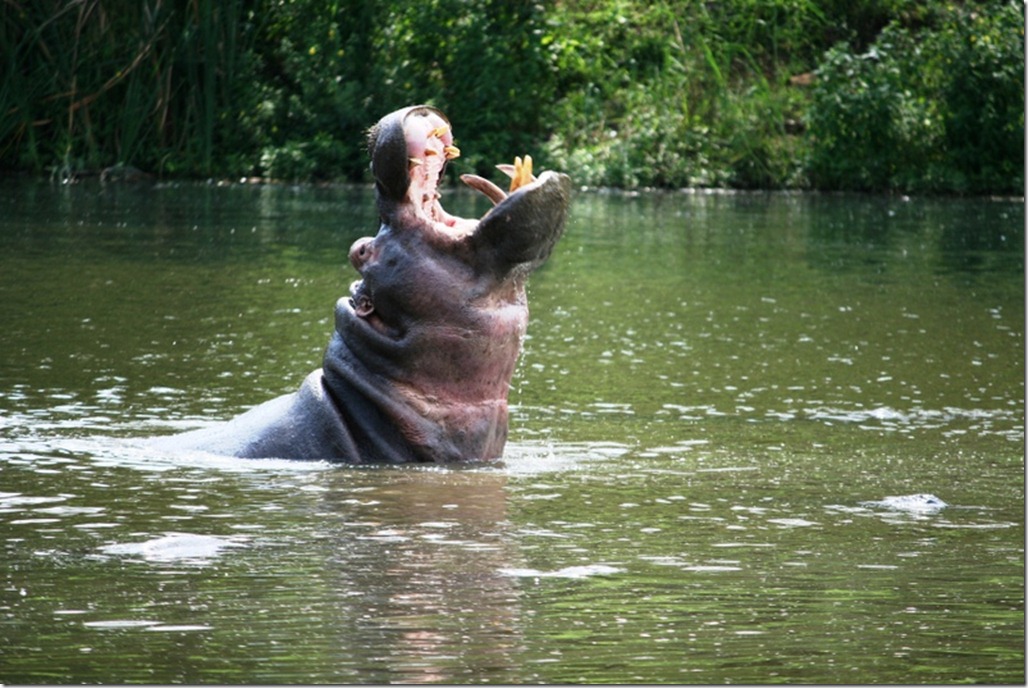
(982,94)
(940,108)
(866,124)
(680,94)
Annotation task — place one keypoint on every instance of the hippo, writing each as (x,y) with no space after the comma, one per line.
(425,344)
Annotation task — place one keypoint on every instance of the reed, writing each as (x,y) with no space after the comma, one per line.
(91,83)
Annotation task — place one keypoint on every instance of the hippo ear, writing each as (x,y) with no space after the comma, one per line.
(388,148)
(522,229)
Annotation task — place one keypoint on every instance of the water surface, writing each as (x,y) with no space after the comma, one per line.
(717,396)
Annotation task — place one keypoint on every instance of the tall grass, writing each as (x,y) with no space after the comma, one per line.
(87,83)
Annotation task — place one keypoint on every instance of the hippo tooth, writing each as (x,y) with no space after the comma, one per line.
(484,186)
(451,152)
(520,172)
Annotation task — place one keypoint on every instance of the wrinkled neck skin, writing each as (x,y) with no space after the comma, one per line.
(437,361)
(438,330)
(431,333)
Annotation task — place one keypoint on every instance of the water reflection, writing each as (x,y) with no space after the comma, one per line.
(421,555)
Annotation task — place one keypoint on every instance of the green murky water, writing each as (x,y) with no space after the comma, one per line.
(716,395)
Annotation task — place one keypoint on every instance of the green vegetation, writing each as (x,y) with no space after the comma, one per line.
(936,109)
(875,95)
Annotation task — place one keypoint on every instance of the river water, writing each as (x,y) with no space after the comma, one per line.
(733,428)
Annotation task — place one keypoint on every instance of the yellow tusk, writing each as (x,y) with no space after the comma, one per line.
(451,152)
(522,173)
(414,161)
(438,131)
(429,151)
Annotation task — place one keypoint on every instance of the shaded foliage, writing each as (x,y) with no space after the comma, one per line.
(923,96)
(938,108)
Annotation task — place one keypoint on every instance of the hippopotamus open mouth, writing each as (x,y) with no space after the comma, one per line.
(410,149)
(424,348)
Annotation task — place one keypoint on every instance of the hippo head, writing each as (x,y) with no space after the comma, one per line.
(432,330)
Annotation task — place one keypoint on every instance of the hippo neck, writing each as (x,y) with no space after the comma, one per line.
(391,425)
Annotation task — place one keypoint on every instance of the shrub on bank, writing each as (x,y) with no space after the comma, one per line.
(938,108)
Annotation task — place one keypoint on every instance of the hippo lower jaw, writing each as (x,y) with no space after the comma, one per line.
(424,198)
